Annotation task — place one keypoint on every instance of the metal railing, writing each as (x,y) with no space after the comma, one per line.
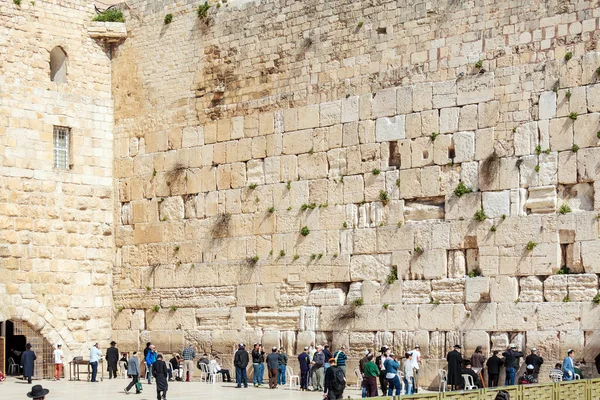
(584,389)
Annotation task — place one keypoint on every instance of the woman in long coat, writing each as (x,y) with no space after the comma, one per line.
(160,373)
(28,362)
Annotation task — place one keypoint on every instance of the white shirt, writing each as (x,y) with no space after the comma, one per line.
(415,359)
(215,365)
(383,358)
(95,354)
(58,356)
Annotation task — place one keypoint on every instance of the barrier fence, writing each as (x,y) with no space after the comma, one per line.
(584,389)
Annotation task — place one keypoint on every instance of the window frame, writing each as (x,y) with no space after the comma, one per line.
(60,148)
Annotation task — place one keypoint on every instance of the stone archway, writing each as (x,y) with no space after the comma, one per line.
(15,334)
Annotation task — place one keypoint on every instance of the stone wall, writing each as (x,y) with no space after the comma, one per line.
(280,163)
(56,239)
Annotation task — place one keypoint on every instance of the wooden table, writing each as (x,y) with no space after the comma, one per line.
(74,371)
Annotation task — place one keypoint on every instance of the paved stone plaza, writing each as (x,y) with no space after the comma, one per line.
(65,390)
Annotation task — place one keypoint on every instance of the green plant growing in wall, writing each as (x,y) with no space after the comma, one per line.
(271,210)
(573,116)
(148,288)
(419,250)
(566,299)
(375,171)
(479,64)
(288,185)
(385,306)
(538,149)
(156,308)
(304,231)
(564,209)
(252,186)
(203,10)
(360,25)
(480,215)
(596,299)
(120,308)
(110,15)
(392,276)
(311,151)
(384,197)
(575,148)
(568,55)
(474,273)
(568,95)
(358,302)
(345,224)
(253,260)
(462,189)
(531,245)
(564,270)
(17,3)
(281,253)
(173,308)
(598,71)
(319,256)
(168,19)
(434,135)
(493,228)
(296,256)
(313,256)
(537,168)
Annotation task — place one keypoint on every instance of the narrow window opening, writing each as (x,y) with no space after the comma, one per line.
(394,160)
(62,140)
(58,65)
(382,31)
(451,153)
(425,154)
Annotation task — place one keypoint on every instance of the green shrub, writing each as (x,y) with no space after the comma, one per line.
(173,308)
(360,25)
(271,210)
(564,209)
(479,64)
(596,299)
(568,94)
(203,10)
(537,168)
(345,224)
(568,55)
(253,186)
(168,19)
(385,306)
(296,256)
(531,245)
(474,273)
(493,228)
(375,172)
(358,302)
(575,148)
(384,197)
(156,308)
(304,231)
(419,250)
(573,116)
(434,135)
(480,215)
(392,276)
(564,270)
(462,189)
(538,149)
(281,253)
(120,308)
(17,3)
(111,15)
(566,299)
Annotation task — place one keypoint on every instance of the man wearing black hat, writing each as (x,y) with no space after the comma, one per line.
(160,373)
(380,360)
(112,359)
(28,358)
(454,359)
(38,392)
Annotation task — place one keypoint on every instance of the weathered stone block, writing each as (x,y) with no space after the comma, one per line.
(384,103)
(393,128)
(475,88)
(464,146)
(477,289)
(504,289)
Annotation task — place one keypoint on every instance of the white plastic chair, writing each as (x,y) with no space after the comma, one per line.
(556,376)
(293,379)
(443,380)
(469,384)
(214,375)
(577,377)
(13,368)
(359,378)
(204,373)
(123,369)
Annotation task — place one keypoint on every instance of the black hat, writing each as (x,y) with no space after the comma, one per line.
(383,349)
(113,343)
(37,391)
(457,346)
(28,346)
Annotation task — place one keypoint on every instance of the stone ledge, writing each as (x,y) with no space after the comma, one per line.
(109,31)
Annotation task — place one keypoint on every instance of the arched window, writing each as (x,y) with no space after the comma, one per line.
(58,65)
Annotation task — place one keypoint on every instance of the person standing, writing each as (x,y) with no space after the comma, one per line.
(159,372)
(58,362)
(409,373)
(416,364)
(340,359)
(112,359)
(327,354)
(454,359)
(258,364)
(150,359)
(597,362)
(28,358)
(188,362)
(240,362)
(371,372)
(535,360)
(318,363)
(391,374)
(511,360)
(493,365)
(304,361)
(568,366)
(361,368)
(273,367)
(282,361)
(380,362)
(95,356)
(133,370)
(334,382)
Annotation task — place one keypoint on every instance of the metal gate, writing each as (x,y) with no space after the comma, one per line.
(44,365)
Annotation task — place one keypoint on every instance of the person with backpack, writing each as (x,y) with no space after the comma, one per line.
(335,382)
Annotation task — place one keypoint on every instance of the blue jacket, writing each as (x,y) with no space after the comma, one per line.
(569,369)
(304,361)
(391,366)
(150,358)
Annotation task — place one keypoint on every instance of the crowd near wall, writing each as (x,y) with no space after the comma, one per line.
(363,173)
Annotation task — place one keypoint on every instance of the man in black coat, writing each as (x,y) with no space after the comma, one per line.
(28,358)
(240,361)
(493,365)
(511,361)
(454,359)
(112,359)
(536,361)
(160,373)
(468,370)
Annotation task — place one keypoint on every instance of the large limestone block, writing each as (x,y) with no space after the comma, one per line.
(354,292)
(384,103)
(457,264)
(441,146)
(464,146)
(432,264)
(548,169)
(555,288)
(410,183)
(167,341)
(404,99)
(477,289)
(468,118)
(558,316)
(402,317)
(561,134)
(531,289)
(587,164)
(312,166)
(593,97)
(448,290)
(488,114)
(517,316)
(504,289)
(416,292)
(297,142)
(422,152)
(474,339)
(449,118)
(309,318)
(326,297)
(542,199)
(370,267)
(572,340)
(350,109)
(305,339)
(528,175)
(423,97)
(475,88)
(591,346)
(394,238)
(436,317)
(214,318)
(463,207)
(547,105)
(391,293)
(582,287)
(526,139)
(496,204)
(585,129)
(308,117)
(390,128)
(371,292)
(330,113)
(369,318)
(546,342)
(475,316)
(358,343)
(500,341)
